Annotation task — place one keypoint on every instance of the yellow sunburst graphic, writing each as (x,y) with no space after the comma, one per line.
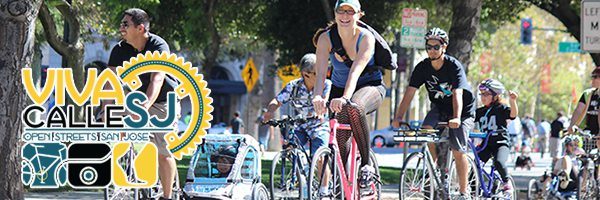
(191,84)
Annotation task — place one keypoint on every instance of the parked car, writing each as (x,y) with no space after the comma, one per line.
(385,137)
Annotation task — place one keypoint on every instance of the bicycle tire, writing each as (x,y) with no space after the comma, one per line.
(292,184)
(534,190)
(335,185)
(373,162)
(421,169)
(473,182)
(590,184)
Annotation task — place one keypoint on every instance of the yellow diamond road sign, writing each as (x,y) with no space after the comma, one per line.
(250,74)
(288,73)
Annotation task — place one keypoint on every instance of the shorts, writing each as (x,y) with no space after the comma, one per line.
(160,110)
(319,138)
(457,137)
(554,147)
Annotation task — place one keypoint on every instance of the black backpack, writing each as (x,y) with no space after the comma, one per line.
(383,53)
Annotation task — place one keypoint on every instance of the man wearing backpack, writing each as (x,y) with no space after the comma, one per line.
(451,100)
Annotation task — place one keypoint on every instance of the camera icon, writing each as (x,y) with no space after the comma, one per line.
(89,165)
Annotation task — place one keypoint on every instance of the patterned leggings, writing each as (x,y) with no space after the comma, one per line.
(366,99)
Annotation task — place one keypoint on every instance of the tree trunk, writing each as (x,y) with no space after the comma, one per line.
(272,88)
(71,49)
(17,19)
(465,22)
(564,11)
(212,51)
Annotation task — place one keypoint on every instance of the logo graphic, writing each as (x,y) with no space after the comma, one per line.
(192,85)
(43,165)
(115,147)
(441,90)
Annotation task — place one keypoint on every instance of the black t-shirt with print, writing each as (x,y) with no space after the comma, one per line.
(440,83)
(493,119)
(123,51)
(591,120)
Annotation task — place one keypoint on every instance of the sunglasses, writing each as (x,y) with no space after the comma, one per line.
(485,94)
(434,47)
(595,76)
(124,24)
(306,74)
(342,11)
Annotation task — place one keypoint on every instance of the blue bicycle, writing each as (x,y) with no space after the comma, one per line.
(289,170)
(490,182)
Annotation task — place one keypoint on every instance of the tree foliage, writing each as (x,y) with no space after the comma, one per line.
(519,66)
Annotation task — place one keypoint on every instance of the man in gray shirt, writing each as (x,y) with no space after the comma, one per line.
(236,123)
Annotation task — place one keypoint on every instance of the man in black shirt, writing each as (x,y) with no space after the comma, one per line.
(558,125)
(451,99)
(137,39)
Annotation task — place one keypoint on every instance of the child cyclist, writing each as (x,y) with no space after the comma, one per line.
(492,118)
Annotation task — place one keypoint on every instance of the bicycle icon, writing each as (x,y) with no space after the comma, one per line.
(43,165)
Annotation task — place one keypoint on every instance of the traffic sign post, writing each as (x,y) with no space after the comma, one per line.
(414,27)
(250,74)
(590,26)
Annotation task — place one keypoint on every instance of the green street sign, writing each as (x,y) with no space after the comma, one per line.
(569,47)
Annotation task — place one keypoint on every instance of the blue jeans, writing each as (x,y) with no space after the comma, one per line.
(319,138)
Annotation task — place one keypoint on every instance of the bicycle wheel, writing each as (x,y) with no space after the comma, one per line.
(260,192)
(116,193)
(514,194)
(320,176)
(28,172)
(376,184)
(534,190)
(416,178)
(473,182)
(157,191)
(287,179)
(587,187)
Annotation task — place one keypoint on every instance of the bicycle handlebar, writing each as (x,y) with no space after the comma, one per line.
(287,121)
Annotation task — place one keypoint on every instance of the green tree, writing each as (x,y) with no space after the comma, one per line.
(567,12)
(212,28)
(519,66)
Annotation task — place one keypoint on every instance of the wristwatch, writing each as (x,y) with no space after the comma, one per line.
(347,100)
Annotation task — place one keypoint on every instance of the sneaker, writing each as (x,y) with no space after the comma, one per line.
(463,196)
(324,193)
(367,173)
(367,177)
(508,189)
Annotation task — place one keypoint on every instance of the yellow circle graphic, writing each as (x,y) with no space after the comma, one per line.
(191,84)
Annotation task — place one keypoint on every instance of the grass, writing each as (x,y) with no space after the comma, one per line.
(389,175)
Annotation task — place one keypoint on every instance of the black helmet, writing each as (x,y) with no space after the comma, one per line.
(437,34)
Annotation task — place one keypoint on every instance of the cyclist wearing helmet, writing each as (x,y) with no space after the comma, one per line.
(567,167)
(451,99)
(493,118)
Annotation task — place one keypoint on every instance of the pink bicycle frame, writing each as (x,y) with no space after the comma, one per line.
(350,187)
